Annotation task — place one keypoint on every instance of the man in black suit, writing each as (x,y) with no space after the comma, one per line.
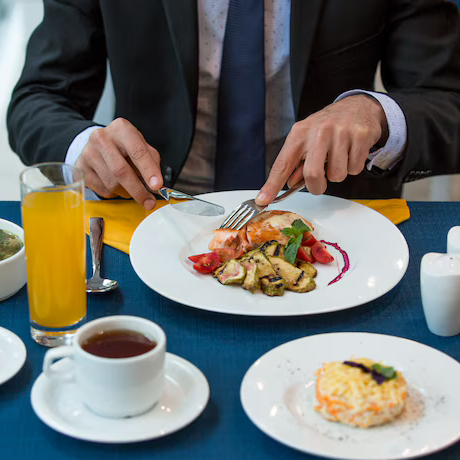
(165,82)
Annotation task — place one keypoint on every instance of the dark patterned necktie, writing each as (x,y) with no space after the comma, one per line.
(240,150)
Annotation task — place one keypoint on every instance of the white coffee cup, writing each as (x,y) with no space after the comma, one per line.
(440,287)
(453,241)
(113,387)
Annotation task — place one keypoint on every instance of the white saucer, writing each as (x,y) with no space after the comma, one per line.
(12,354)
(185,395)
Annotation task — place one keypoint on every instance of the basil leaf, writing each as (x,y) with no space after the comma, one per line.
(289,232)
(291,249)
(300,226)
(290,253)
(376,367)
(388,372)
(295,233)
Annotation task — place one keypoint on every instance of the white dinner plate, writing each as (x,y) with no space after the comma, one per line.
(277,394)
(12,354)
(378,253)
(185,396)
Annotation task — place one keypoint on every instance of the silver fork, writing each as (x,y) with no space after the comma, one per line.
(241,215)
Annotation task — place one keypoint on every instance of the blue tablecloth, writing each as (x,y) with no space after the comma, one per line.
(223,347)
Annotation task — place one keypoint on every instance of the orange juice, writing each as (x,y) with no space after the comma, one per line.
(55,249)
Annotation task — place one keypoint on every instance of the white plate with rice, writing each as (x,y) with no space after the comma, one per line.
(377,250)
(278,395)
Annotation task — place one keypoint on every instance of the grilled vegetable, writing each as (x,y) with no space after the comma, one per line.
(272,284)
(251,282)
(296,279)
(265,268)
(249,254)
(273,248)
(231,273)
(307,268)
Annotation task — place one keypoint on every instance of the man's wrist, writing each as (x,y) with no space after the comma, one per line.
(391,152)
(74,151)
(378,114)
(77,145)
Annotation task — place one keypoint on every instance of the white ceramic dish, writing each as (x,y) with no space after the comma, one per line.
(13,269)
(12,354)
(378,252)
(185,396)
(277,394)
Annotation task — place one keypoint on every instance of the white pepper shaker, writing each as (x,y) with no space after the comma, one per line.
(453,241)
(440,286)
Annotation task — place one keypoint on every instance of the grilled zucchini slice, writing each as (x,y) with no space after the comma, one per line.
(296,279)
(272,284)
(231,273)
(307,268)
(249,254)
(273,248)
(251,282)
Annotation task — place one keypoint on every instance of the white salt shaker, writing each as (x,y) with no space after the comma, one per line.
(453,241)
(440,285)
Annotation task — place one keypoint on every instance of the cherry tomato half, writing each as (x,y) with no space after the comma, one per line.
(304,253)
(196,258)
(228,253)
(321,254)
(308,239)
(207,263)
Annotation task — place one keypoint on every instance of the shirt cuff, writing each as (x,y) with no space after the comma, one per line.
(77,145)
(74,152)
(391,153)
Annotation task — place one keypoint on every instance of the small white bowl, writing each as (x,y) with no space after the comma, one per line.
(13,269)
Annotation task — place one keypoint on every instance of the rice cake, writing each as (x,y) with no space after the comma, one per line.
(349,395)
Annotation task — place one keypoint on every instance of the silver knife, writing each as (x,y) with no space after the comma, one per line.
(188,203)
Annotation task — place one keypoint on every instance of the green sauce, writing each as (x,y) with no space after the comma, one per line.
(10,244)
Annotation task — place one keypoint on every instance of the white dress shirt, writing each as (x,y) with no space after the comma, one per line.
(197,175)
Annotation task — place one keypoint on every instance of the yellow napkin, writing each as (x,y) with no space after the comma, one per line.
(121,217)
(394,209)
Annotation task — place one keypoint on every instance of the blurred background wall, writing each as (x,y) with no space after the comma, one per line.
(18,18)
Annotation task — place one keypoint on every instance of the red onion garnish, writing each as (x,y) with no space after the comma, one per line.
(346,261)
(377,376)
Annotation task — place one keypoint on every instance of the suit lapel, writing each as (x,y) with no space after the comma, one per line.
(182,18)
(304,20)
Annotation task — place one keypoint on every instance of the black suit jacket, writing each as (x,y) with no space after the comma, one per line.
(152,47)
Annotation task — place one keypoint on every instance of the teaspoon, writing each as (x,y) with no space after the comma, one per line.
(96,283)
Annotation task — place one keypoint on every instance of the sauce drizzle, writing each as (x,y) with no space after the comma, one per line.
(346,261)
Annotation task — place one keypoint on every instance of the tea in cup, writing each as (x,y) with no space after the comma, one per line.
(117,365)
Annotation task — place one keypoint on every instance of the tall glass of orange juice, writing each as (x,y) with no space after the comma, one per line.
(52,196)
